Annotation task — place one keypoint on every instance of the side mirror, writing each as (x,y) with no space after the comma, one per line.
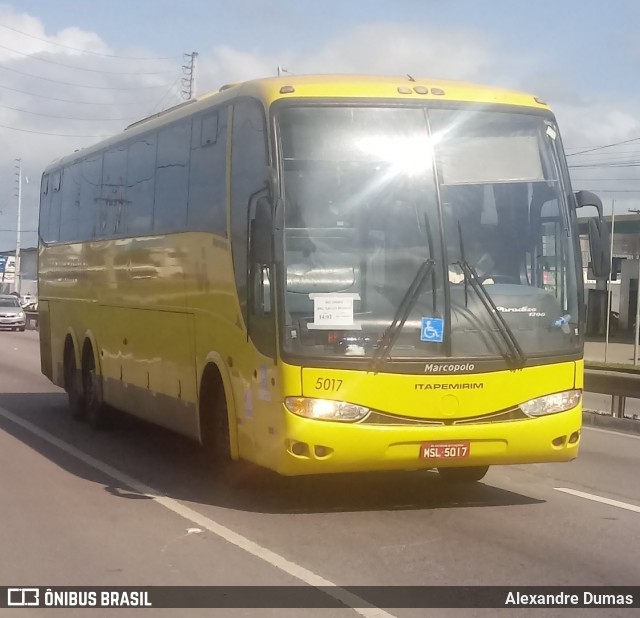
(587,198)
(599,242)
(599,238)
(262,233)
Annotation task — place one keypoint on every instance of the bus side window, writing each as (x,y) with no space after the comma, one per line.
(113,194)
(45,207)
(141,168)
(172,178)
(56,204)
(70,209)
(207,209)
(248,175)
(90,187)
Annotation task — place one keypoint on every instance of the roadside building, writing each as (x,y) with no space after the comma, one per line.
(28,271)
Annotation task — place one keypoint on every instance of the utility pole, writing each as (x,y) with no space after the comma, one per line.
(17,280)
(637,328)
(609,292)
(189,79)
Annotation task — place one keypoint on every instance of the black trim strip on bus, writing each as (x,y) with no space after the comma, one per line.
(413,366)
(370,102)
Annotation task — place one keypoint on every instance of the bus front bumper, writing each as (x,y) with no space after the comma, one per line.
(320,447)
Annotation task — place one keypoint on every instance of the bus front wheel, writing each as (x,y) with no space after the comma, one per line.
(471,474)
(214,424)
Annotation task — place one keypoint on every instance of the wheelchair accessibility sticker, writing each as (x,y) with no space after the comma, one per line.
(432,330)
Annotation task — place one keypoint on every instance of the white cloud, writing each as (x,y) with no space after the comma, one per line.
(60,108)
(386,48)
(393,48)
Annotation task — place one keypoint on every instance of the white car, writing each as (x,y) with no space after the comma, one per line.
(11,313)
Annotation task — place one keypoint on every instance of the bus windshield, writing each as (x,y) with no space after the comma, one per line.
(372,193)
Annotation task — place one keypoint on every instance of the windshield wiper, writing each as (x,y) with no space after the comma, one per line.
(515,354)
(402,313)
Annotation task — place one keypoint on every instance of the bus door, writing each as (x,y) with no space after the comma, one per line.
(254,371)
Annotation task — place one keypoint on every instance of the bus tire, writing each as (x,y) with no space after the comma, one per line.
(95,409)
(73,382)
(214,423)
(471,474)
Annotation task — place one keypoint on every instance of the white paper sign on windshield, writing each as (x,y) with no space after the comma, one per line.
(333,310)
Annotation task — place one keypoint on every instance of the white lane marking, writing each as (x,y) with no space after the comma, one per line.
(609,501)
(359,605)
(613,433)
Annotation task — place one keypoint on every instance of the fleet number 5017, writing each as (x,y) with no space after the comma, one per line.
(328,384)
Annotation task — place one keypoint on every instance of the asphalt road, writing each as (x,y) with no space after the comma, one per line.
(77,508)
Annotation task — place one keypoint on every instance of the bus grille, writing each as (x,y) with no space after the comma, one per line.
(382,418)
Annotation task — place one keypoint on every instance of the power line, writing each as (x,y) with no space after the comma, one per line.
(165,95)
(614,190)
(86,51)
(605,165)
(42,96)
(3,126)
(26,111)
(627,141)
(622,153)
(56,81)
(70,66)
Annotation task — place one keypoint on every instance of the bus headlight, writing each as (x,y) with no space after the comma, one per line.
(325,409)
(550,404)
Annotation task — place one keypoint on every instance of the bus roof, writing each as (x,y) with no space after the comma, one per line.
(271,89)
(386,87)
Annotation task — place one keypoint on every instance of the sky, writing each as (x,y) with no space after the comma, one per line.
(73,71)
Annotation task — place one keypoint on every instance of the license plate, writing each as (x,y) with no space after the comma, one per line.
(444,450)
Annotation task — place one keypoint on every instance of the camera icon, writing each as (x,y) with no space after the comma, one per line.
(23,597)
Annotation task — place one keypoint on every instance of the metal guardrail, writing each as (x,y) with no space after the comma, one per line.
(618,384)
(606,382)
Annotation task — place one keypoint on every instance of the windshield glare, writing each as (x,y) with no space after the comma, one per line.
(371,193)
(9,302)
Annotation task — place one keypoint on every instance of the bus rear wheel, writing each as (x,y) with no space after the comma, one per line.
(73,384)
(471,474)
(95,409)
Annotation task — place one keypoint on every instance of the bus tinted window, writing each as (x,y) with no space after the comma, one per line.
(172,175)
(56,203)
(208,176)
(113,197)
(45,206)
(90,184)
(140,184)
(70,210)
(248,175)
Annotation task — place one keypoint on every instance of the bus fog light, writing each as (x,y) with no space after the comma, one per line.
(322,451)
(325,409)
(300,449)
(551,404)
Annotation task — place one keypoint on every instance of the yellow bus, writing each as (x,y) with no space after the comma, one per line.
(326,274)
